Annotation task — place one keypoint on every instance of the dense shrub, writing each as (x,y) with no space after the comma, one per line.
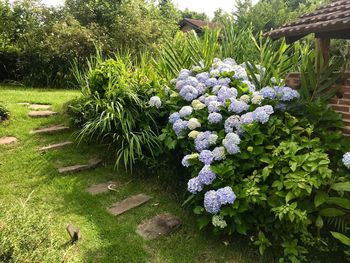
(4,113)
(256,169)
(114,109)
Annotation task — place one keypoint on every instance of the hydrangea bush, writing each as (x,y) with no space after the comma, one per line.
(254,166)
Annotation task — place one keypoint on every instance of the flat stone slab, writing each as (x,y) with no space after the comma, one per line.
(128,203)
(160,225)
(40,107)
(41,114)
(102,188)
(55,146)
(80,167)
(7,140)
(52,129)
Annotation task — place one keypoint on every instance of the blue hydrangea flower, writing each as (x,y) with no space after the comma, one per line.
(179,126)
(206,175)
(189,93)
(231,143)
(194,185)
(185,111)
(202,77)
(240,72)
(206,157)
(180,84)
(174,117)
(184,74)
(211,82)
(210,99)
(219,153)
(201,88)
(268,109)
(214,106)
(260,115)
(214,118)
(268,93)
(230,61)
(224,82)
(155,102)
(211,203)
(247,118)
(225,196)
(192,81)
(226,93)
(202,141)
(288,94)
(346,159)
(231,123)
(238,106)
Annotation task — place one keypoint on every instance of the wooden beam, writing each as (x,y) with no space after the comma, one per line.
(323,51)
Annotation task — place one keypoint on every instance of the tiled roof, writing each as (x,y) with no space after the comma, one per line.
(199,24)
(330,18)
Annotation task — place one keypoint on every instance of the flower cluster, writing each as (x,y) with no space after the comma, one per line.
(213,200)
(220,102)
(346,159)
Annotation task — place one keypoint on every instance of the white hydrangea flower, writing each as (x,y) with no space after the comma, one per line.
(193,134)
(193,124)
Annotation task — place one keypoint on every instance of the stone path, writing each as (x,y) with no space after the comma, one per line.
(103,187)
(55,146)
(80,167)
(41,114)
(128,203)
(40,107)
(7,140)
(52,129)
(159,225)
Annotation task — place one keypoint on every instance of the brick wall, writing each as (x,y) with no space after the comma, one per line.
(340,103)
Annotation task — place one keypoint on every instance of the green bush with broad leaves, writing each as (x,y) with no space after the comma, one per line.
(4,113)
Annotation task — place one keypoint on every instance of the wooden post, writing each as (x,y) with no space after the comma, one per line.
(322,49)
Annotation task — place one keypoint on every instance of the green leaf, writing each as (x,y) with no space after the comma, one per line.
(331,212)
(341,186)
(319,221)
(289,196)
(320,198)
(203,222)
(339,201)
(342,238)
(198,210)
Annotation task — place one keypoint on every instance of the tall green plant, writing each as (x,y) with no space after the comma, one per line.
(186,50)
(114,108)
(317,81)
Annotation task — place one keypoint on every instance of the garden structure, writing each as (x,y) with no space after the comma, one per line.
(328,22)
(197,25)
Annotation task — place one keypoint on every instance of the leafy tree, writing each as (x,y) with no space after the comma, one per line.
(194,15)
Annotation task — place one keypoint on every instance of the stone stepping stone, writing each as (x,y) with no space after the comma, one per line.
(160,225)
(23,103)
(52,129)
(102,188)
(128,203)
(55,146)
(41,114)
(7,140)
(40,107)
(80,167)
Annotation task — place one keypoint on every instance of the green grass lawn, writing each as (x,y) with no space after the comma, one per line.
(104,238)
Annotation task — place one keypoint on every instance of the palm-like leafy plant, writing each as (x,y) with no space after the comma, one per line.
(116,92)
(186,50)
